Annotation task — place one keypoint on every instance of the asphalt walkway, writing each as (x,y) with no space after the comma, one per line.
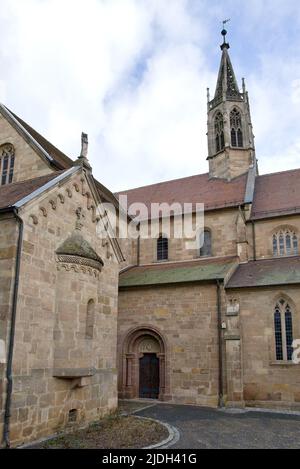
(202,428)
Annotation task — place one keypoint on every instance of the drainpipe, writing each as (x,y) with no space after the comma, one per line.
(253,240)
(139,246)
(220,345)
(9,378)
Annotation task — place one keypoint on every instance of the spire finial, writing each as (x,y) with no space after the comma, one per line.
(224,33)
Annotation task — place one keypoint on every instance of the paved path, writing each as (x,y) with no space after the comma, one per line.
(209,428)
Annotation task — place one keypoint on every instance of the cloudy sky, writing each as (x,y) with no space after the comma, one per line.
(133,75)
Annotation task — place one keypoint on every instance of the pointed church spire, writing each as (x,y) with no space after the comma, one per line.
(227,86)
(230,136)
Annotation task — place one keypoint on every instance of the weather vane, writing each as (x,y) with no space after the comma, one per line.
(225,22)
(224,32)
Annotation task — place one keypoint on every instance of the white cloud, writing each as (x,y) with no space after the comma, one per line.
(133,74)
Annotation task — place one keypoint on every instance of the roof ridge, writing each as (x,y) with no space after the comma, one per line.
(161,182)
(277,258)
(42,141)
(279,172)
(224,180)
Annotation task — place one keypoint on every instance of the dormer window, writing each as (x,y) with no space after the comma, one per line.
(236,129)
(219,132)
(7,163)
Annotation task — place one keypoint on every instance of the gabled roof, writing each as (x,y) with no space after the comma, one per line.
(276,194)
(10,194)
(214,193)
(59,158)
(53,156)
(202,270)
(266,272)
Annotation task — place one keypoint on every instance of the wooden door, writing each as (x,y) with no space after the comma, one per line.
(149,376)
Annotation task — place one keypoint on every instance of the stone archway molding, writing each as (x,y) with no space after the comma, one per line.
(151,340)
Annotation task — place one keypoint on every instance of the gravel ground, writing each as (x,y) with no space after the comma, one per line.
(118,432)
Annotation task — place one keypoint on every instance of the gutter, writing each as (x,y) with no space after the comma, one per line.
(9,378)
(220,345)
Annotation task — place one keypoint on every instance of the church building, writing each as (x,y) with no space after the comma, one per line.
(87,315)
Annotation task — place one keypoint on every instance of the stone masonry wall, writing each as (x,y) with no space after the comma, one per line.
(267,382)
(221,223)
(186,316)
(28,164)
(265,229)
(49,298)
(8,244)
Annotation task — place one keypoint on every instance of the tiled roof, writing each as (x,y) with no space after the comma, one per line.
(12,193)
(276,194)
(214,193)
(266,272)
(62,160)
(179,272)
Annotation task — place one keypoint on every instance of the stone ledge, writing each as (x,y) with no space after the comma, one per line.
(232,337)
(73,373)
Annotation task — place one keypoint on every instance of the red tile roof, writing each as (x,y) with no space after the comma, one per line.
(12,193)
(276,194)
(214,193)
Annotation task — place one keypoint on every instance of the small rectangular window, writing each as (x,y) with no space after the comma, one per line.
(162,249)
(205,250)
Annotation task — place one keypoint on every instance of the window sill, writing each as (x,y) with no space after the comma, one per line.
(283,363)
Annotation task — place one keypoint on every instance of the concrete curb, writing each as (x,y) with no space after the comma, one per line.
(173,437)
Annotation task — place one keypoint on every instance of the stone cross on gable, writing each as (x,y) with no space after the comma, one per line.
(84,145)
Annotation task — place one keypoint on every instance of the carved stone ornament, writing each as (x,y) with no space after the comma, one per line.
(75,250)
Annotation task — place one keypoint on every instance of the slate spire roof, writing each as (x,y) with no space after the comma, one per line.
(227,83)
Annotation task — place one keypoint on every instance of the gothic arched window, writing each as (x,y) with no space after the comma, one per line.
(219,132)
(283,328)
(7,163)
(162,248)
(236,129)
(205,243)
(285,243)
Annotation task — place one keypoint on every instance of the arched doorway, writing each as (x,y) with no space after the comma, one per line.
(143,370)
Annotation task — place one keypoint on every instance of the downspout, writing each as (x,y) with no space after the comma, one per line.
(253,240)
(9,378)
(220,345)
(139,246)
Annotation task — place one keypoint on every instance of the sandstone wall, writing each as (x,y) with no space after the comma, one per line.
(223,228)
(52,309)
(186,317)
(28,164)
(267,382)
(8,245)
(265,229)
